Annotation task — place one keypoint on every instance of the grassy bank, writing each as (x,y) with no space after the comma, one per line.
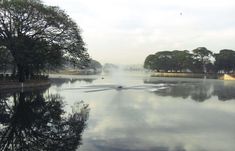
(187,75)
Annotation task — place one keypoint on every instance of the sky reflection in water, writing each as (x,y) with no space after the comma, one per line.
(189,115)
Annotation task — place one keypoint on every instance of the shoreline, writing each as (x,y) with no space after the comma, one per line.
(30,84)
(38,84)
(74,72)
(195,75)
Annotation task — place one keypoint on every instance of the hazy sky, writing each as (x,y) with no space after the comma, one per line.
(126,31)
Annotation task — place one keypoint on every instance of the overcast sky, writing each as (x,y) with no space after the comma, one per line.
(126,31)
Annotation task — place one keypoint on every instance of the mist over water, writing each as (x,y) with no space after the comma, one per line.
(118,76)
(110,107)
(128,111)
(160,114)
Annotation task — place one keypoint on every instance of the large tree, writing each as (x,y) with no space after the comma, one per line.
(202,55)
(5,59)
(149,62)
(38,36)
(181,60)
(164,61)
(169,60)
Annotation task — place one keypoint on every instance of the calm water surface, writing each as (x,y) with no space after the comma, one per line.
(133,112)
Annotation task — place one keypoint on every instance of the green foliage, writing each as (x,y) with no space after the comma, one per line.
(196,66)
(169,61)
(149,62)
(163,60)
(225,60)
(198,62)
(39,36)
(181,59)
(202,55)
(177,61)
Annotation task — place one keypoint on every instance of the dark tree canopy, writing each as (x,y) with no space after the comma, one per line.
(164,60)
(202,55)
(5,59)
(149,62)
(181,61)
(169,60)
(38,36)
(225,60)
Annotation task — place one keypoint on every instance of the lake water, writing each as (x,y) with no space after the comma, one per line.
(127,112)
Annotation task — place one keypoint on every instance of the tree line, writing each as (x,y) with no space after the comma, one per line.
(35,37)
(200,60)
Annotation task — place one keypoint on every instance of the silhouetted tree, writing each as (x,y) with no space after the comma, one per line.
(149,62)
(169,60)
(38,36)
(181,60)
(196,66)
(225,60)
(5,59)
(178,61)
(164,61)
(202,55)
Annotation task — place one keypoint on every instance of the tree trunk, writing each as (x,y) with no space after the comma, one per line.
(14,70)
(27,74)
(21,73)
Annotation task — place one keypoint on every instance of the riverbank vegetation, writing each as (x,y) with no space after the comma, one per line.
(199,60)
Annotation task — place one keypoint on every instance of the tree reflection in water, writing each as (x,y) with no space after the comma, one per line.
(197,90)
(31,121)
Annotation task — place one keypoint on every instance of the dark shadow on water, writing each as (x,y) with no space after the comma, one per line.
(34,121)
(60,81)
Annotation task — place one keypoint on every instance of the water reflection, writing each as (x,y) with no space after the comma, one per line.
(35,121)
(60,81)
(135,119)
(197,90)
